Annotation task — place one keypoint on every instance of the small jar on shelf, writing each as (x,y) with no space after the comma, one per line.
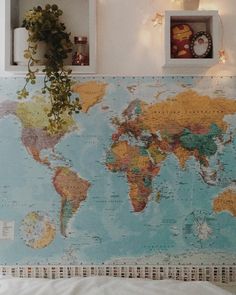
(80,55)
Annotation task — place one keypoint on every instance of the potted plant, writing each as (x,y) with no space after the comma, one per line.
(191,4)
(43,24)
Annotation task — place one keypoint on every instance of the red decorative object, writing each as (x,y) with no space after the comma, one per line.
(80,56)
(181,35)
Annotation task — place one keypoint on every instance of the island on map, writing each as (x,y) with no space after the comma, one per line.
(226,201)
(90,93)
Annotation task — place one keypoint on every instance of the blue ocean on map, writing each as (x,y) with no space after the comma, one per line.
(179,218)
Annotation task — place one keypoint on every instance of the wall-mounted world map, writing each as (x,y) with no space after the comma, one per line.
(146,172)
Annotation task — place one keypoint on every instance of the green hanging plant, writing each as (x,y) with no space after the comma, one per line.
(43,24)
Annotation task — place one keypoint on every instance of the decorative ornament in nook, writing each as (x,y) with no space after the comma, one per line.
(80,55)
(180,41)
(21,36)
(20,44)
(191,4)
(201,45)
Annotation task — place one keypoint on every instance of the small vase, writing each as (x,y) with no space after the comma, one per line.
(20,45)
(190,4)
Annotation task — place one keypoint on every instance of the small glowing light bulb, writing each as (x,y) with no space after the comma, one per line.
(222,56)
(158,19)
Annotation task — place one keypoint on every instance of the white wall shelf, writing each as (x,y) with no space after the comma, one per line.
(198,20)
(79,17)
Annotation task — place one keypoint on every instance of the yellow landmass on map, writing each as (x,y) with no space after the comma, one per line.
(46,237)
(121,149)
(38,231)
(90,93)
(183,155)
(129,156)
(186,110)
(139,169)
(34,114)
(155,153)
(73,191)
(226,201)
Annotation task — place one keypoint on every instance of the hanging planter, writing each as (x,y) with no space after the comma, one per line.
(191,4)
(44,25)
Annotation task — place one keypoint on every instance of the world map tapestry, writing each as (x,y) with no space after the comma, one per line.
(145,173)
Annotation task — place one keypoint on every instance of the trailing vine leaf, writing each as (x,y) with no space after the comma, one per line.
(43,24)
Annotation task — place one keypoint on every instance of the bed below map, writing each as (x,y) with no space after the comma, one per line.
(117,279)
(105,285)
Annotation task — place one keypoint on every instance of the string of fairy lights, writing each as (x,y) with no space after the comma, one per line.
(158,19)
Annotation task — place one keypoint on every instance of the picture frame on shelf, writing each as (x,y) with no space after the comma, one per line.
(201,45)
